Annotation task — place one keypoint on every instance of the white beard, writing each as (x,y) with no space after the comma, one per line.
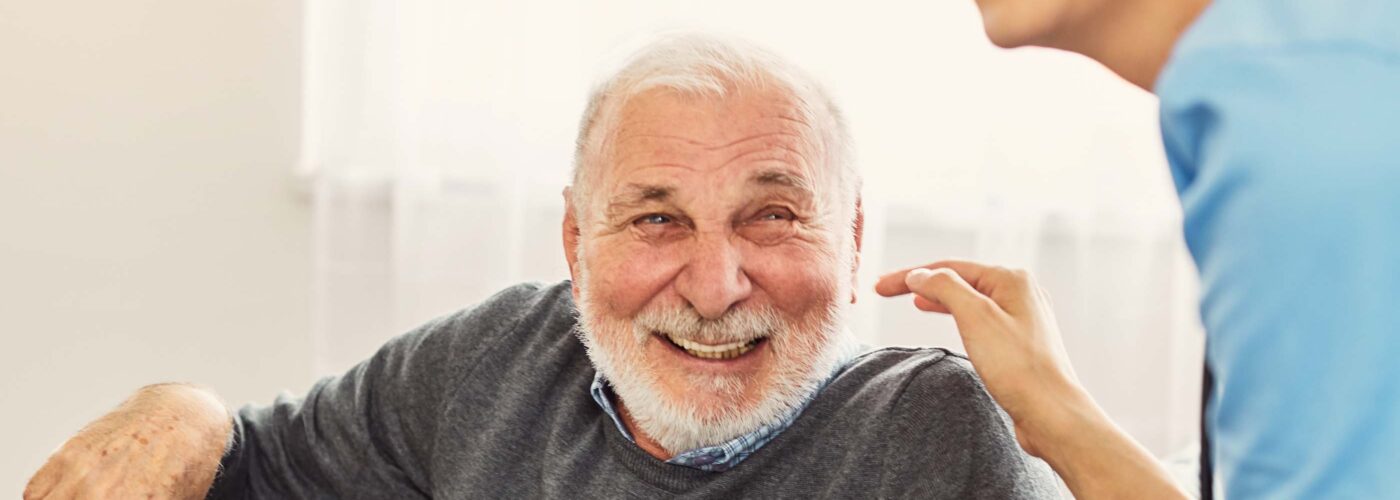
(616,348)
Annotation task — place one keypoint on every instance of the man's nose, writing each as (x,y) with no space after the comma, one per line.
(714,278)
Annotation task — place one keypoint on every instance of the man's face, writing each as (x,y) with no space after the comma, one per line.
(714,265)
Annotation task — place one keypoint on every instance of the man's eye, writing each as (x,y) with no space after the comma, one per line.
(775,215)
(654,219)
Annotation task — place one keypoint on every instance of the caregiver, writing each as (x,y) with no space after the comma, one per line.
(1281,123)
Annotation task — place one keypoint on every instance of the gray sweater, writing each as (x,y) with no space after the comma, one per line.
(493,402)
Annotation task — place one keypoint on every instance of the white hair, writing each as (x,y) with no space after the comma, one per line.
(709,66)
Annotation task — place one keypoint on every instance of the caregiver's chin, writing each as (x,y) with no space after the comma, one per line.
(1133,38)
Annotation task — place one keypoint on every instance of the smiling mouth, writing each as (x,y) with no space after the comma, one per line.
(722,352)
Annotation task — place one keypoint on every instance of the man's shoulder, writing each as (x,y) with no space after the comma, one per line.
(527,314)
(525,307)
(517,301)
(898,370)
(934,385)
(925,409)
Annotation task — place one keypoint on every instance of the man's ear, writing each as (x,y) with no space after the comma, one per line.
(857,227)
(571,237)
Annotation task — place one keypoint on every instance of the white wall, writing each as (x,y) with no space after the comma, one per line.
(150,228)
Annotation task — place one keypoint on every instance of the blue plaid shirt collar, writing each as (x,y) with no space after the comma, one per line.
(723,456)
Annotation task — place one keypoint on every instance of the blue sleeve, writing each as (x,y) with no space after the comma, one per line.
(1287,160)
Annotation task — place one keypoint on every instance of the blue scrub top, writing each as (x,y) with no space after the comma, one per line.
(1281,120)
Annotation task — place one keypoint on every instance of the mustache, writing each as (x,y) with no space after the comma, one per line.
(737,325)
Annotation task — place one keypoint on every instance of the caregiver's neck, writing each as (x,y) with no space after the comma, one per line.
(1133,38)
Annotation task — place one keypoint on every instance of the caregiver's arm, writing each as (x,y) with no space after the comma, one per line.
(1010,335)
(163,442)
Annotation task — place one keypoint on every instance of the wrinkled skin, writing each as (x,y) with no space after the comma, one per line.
(163,443)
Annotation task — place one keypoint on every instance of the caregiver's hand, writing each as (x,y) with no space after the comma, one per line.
(1010,335)
(165,442)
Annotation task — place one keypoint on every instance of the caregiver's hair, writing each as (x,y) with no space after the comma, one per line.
(708,66)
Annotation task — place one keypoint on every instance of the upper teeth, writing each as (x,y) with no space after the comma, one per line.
(719,351)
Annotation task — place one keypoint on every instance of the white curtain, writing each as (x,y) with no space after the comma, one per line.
(438,137)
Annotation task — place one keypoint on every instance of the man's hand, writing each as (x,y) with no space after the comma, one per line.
(1010,335)
(165,442)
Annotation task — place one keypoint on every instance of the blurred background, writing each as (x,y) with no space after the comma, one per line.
(255,194)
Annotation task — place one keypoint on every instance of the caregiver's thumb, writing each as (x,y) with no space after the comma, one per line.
(944,287)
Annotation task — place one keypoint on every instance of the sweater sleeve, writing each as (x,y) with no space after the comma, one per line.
(368,433)
(957,443)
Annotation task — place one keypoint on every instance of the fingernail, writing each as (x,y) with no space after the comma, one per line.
(917,276)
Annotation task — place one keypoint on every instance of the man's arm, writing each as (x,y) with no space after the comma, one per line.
(369,433)
(357,435)
(364,434)
(163,442)
(372,432)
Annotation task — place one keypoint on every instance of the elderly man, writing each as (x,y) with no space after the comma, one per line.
(712,232)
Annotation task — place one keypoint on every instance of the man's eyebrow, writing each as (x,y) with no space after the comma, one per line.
(782,178)
(635,194)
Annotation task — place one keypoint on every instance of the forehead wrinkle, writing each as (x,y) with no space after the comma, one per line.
(779,150)
(796,120)
(624,161)
(755,137)
(641,140)
(779,135)
(625,138)
(639,122)
(638,137)
(793,153)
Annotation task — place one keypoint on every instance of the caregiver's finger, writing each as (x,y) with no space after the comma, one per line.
(948,288)
(893,283)
(928,305)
